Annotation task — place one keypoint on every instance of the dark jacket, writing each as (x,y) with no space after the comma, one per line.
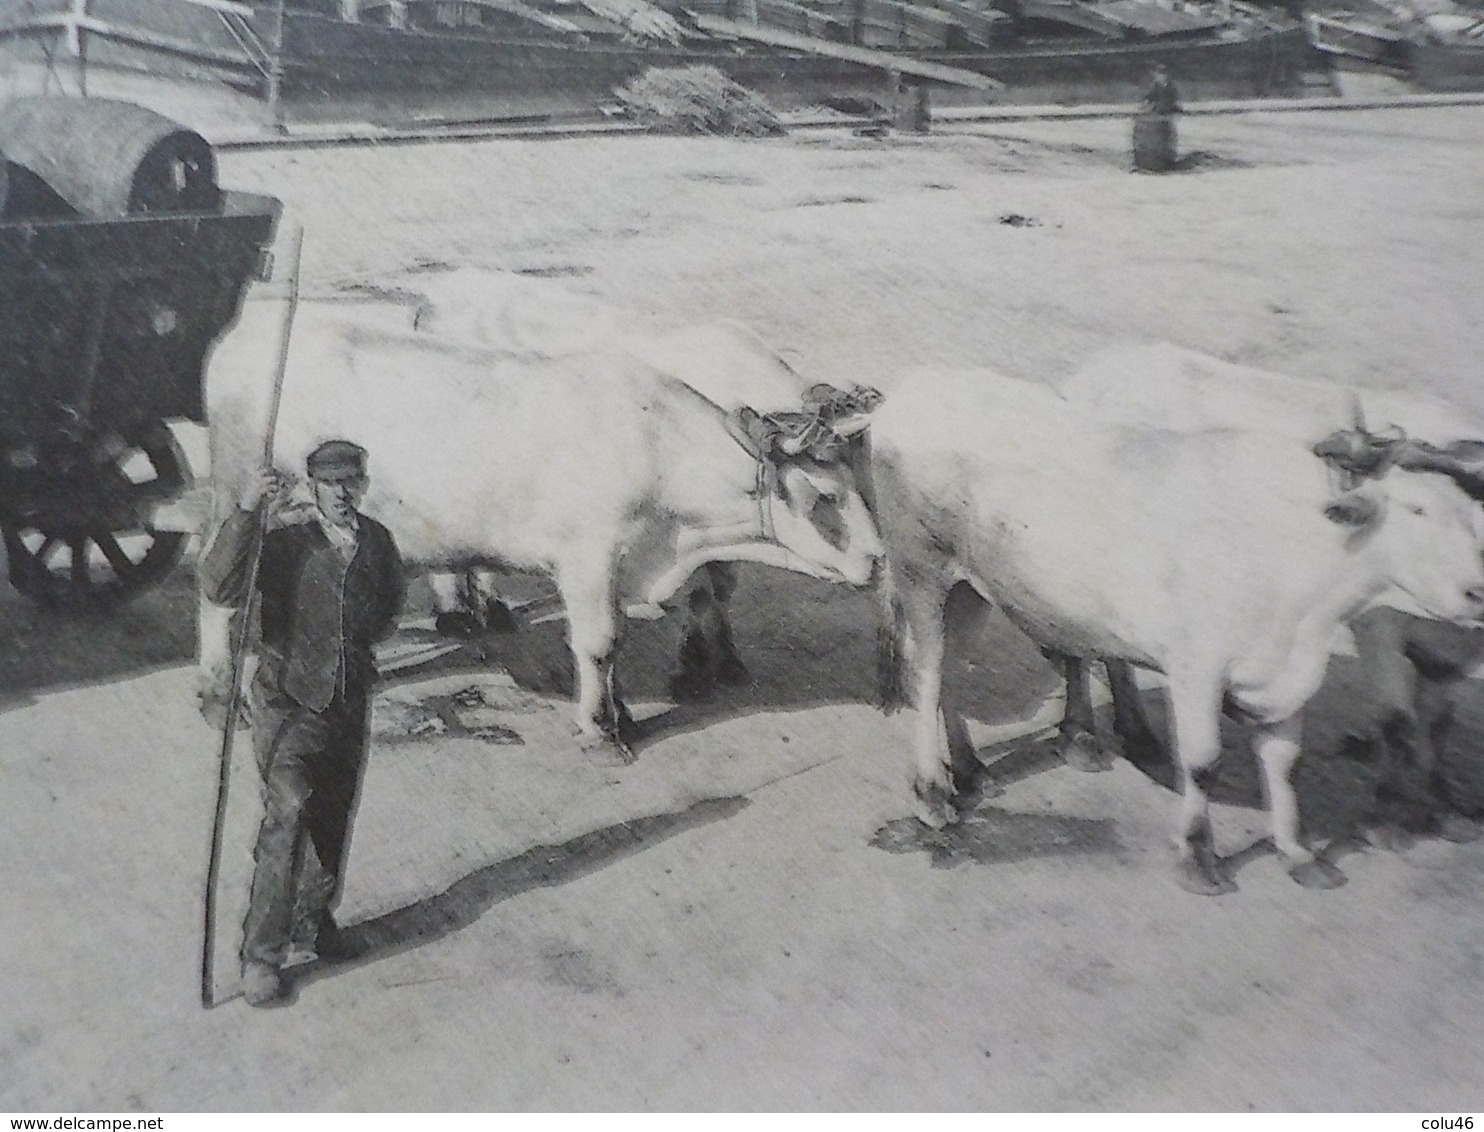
(1161,97)
(320,616)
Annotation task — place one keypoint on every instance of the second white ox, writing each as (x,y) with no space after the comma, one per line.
(616,479)
(724,360)
(1225,560)
(1410,665)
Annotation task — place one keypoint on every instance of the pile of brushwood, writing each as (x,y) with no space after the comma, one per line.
(697,100)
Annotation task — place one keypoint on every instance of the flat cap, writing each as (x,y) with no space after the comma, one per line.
(336,460)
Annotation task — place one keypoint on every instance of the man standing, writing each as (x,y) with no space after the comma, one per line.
(330,582)
(1155,146)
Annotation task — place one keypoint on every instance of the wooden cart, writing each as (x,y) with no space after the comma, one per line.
(121,263)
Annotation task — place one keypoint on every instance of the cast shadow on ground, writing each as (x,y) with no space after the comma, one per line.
(543,866)
(1334,787)
(1198,160)
(809,644)
(993,836)
(50,650)
(806,644)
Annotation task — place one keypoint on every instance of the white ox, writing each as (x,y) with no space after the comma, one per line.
(724,360)
(1223,559)
(616,479)
(1411,665)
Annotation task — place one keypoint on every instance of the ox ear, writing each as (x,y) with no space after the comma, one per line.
(852,425)
(1358,508)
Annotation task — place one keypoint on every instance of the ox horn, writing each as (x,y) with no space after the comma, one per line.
(747,428)
(853,425)
(1462,461)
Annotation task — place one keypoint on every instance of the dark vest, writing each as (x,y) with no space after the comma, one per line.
(321,615)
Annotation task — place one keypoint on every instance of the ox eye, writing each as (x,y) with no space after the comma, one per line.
(1417,509)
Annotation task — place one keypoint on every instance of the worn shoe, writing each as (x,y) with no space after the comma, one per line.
(262,984)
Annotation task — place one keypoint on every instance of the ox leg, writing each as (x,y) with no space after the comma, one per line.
(1195,707)
(696,676)
(465,605)
(729,666)
(1435,710)
(1077,739)
(592,623)
(1141,746)
(964,613)
(708,656)
(923,607)
(453,614)
(479,594)
(1277,746)
(1402,804)
(1392,730)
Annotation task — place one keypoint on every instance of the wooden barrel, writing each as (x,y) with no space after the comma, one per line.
(109,159)
(1154,143)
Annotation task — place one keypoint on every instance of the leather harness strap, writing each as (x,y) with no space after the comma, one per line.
(740,427)
(774,437)
(1357,454)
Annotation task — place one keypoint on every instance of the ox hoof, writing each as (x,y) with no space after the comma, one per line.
(1459,829)
(935,807)
(457,623)
(1082,753)
(1317,874)
(1202,880)
(605,750)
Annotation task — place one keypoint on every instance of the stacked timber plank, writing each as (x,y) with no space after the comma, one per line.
(982,24)
(927,25)
(894,23)
(804,19)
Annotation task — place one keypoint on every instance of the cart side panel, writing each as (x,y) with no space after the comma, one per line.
(113,320)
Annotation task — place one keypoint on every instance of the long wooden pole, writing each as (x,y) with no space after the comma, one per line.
(239,646)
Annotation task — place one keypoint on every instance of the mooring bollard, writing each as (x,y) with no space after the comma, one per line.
(920,114)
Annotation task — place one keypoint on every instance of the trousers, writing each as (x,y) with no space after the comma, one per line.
(311,764)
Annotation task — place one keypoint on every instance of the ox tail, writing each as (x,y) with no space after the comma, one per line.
(891,644)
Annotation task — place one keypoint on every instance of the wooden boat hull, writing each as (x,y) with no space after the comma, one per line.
(1357,39)
(333,68)
(1446,66)
(326,57)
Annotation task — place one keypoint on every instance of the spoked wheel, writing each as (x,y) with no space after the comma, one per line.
(78,507)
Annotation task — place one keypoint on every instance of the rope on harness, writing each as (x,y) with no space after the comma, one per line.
(1355,455)
(821,429)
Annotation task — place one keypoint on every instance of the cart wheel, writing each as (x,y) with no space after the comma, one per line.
(76,528)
